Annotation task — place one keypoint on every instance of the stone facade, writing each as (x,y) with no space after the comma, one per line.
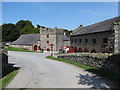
(100,37)
(117,37)
(66,43)
(29,42)
(90,45)
(28,47)
(47,36)
(53,36)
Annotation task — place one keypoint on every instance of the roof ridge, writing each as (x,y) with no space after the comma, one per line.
(102,21)
(101,26)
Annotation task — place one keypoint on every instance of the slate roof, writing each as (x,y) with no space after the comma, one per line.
(65,38)
(27,39)
(97,27)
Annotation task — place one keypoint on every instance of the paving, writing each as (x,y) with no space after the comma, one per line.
(38,72)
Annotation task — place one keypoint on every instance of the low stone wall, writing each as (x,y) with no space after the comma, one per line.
(100,61)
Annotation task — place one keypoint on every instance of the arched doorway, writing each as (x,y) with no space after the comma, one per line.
(35,48)
(80,50)
(93,51)
(86,50)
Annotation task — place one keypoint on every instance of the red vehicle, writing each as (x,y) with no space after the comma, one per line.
(70,50)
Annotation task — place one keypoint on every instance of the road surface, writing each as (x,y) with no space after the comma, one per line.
(38,72)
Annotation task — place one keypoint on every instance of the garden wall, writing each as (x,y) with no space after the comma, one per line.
(97,60)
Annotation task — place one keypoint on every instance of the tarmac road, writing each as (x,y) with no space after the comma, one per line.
(38,72)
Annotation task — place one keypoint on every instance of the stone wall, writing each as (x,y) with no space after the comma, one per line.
(99,60)
(117,37)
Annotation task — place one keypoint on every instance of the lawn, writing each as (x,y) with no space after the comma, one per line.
(112,76)
(18,49)
(7,79)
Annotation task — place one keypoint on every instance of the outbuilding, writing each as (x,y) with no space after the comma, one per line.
(29,42)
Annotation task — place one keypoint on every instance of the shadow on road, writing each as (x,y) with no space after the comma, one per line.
(94,81)
(10,68)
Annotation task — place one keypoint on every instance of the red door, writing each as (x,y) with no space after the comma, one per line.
(35,48)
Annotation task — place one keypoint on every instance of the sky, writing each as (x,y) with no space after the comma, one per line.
(67,15)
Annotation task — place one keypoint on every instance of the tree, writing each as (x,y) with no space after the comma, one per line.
(23,23)
(27,30)
(37,30)
(10,32)
(38,26)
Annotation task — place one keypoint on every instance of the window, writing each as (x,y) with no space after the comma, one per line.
(71,40)
(75,40)
(80,40)
(94,40)
(105,40)
(47,36)
(86,40)
(47,41)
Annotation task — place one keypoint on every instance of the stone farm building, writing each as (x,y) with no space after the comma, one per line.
(29,42)
(43,40)
(55,36)
(99,37)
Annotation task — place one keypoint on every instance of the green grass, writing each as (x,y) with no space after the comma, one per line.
(112,76)
(67,61)
(57,53)
(18,49)
(7,79)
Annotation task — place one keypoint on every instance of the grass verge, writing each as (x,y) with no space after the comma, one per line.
(7,79)
(112,76)
(58,53)
(18,49)
(67,61)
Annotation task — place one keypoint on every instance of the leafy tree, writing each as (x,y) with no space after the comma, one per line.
(26,27)
(23,23)
(38,26)
(27,30)
(10,32)
(36,30)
